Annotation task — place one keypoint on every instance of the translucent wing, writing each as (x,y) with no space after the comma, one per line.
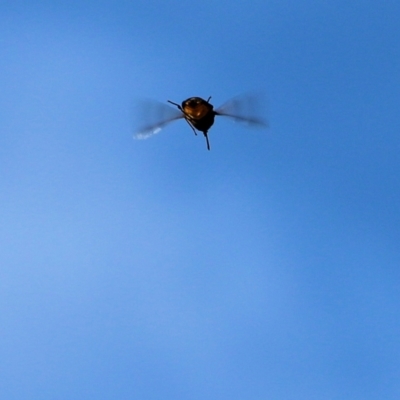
(152,116)
(244,108)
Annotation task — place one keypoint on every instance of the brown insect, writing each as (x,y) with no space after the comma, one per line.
(199,114)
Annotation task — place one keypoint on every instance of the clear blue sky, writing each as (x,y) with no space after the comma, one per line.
(266,268)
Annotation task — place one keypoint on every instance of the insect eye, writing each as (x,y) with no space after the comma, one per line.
(192,102)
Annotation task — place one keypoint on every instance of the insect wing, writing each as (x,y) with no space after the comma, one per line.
(244,108)
(152,116)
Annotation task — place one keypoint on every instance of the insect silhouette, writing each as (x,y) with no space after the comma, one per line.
(198,113)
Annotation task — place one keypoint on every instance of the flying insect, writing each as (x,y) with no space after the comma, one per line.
(199,114)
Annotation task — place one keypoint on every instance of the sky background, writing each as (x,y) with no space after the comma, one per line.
(266,268)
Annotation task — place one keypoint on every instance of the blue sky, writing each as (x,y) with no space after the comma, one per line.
(266,268)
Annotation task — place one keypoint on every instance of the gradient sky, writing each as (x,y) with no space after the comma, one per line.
(266,268)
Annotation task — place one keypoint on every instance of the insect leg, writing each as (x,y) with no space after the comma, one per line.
(190,124)
(208,143)
(177,105)
(187,117)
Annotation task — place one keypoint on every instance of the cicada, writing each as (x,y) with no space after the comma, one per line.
(199,114)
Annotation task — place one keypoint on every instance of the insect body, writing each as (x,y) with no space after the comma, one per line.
(200,114)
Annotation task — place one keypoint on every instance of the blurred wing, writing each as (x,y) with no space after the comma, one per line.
(152,116)
(244,108)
